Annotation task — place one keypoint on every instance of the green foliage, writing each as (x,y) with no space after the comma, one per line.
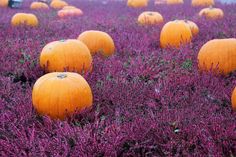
(187,64)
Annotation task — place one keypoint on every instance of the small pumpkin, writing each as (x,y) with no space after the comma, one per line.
(150,18)
(98,42)
(173,2)
(24,19)
(137,3)
(38,5)
(59,94)
(193,26)
(3,3)
(233,99)
(69,7)
(212,13)
(218,54)
(70,55)
(58,4)
(202,3)
(175,33)
(69,12)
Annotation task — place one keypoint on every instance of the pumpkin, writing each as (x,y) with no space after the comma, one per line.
(137,3)
(70,55)
(39,5)
(69,12)
(69,7)
(218,54)
(202,3)
(98,42)
(59,94)
(193,26)
(24,19)
(149,17)
(3,3)
(171,2)
(58,4)
(212,13)
(174,34)
(233,99)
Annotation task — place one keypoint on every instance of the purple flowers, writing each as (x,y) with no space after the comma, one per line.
(147,101)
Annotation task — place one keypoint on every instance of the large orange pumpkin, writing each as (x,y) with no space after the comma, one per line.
(193,26)
(202,3)
(171,2)
(98,42)
(69,12)
(38,5)
(24,19)
(137,3)
(3,3)
(175,33)
(59,94)
(218,53)
(212,13)
(150,18)
(58,4)
(233,99)
(70,55)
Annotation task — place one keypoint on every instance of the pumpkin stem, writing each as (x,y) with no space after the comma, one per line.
(61,76)
(150,14)
(62,40)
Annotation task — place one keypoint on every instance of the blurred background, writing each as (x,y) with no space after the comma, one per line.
(227,1)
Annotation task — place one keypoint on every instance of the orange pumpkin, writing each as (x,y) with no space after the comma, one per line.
(212,13)
(24,19)
(171,2)
(193,26)
(39,5)
(69,12)
(218,53)
(98,41)
(3,3)
(69,7)
(174,34)
(137,3)
(202,3)
(150,18)
(70,55)
(233,99)
(59,94)
(59,4)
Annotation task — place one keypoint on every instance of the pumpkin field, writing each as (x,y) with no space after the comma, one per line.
(111,78)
